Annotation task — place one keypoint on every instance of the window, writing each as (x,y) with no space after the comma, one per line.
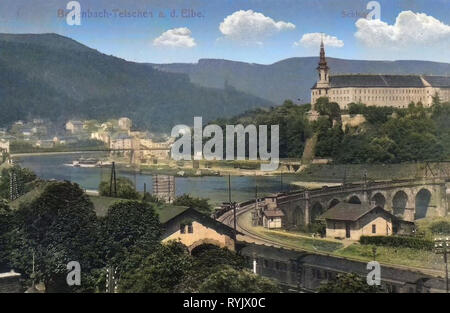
(190,228)
(182,228)
(374,229)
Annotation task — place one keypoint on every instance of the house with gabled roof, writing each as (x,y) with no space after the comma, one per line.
(351,221)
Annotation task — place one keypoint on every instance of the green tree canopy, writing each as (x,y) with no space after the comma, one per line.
(160,272)
(201,204)
(129,224)
(348,283)
(58,226)
(230,280)
(125,189)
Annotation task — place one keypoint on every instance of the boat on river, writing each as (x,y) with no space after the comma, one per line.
(89,162)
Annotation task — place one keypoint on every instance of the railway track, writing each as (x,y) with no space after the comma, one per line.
(245,235)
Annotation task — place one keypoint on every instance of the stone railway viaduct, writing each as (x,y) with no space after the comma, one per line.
(406,199)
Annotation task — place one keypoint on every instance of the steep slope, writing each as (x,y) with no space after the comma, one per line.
(290,78)
(52,76)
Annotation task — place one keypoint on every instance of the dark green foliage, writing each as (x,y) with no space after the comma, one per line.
(170,268)
(6,225)
(21,146)
(148,197)
(348,283)
(200,204)
(129,224)
(229,280)
(125,189)
(58,226)
(294,128)
(356,108)
(441,227)
(161,271)
(207,260)
(331,109)
(389,135)
(398,241)
(329,139)
(60,79)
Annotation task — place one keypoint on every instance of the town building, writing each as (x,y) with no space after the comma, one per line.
(351,221)
(124,123)
(64,140)
(39,130)
(102,136)
(273,219)
(27,132)
(150,149)
(193,228)
(74,126)
(123,143)
(4,146)
(377,89)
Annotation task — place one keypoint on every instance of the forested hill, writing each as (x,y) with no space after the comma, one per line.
(388,135)
(290,78)
(51,76)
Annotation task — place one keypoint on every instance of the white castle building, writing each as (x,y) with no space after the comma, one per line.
(378,89)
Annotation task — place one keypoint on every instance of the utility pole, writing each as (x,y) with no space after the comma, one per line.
(113,180)
(255,216)
(281,180)
(442,246)
(232,206)
(256,193)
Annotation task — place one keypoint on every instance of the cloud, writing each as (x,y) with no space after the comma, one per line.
(176,37)
(311,40)
(409,29)
(251,27)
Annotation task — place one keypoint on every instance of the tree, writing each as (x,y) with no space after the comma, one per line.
(6,225)
(58,226)
(160,272)
(148,197)
(208,259)
(129,224)
(356,108)
(348,283)
(230,280)
(125,189)
(436,100)
(200,204)
(325,107)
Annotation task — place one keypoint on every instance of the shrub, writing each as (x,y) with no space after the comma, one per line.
(441,227)
(398,242)
(125,189)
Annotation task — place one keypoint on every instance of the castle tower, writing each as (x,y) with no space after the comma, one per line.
(323,69)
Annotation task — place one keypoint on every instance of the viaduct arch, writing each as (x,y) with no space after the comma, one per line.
(407,199)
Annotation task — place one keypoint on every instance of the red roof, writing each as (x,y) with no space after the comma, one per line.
(273,213)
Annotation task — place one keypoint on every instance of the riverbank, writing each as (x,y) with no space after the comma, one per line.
(18,155)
